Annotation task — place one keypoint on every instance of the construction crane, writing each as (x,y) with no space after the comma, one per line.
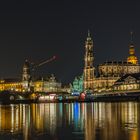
(34,66)
(29,68)
(28,74)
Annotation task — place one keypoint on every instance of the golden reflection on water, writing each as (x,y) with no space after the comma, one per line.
(87,121)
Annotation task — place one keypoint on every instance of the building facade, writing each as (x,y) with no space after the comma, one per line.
(109,72)
(50,85)
(127,82)
(77,85)
(132,57)
(26,77)
(11,84)
(107,75)
(88,67)
(117,69)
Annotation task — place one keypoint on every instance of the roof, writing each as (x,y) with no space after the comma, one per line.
(10,80)
(134,75)
(116,63)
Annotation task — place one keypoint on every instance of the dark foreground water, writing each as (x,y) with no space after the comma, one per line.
(70,121)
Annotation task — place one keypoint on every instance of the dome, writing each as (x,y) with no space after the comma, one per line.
(132,59)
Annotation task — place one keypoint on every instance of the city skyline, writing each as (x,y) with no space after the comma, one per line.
(38,31)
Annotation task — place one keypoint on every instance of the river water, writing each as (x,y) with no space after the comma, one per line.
(70,121)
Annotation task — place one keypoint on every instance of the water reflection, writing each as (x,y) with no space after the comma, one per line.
(59,121)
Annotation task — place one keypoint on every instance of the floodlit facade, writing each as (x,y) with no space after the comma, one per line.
(108,72)
(107,75)
(88,68)
(132,57)
(26,77)
(117,69)
(127,82)
(77,85)
(11,84)
(50,85)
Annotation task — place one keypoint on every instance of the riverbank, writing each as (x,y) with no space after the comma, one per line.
(27,98)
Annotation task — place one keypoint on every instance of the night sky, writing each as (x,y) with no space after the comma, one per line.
(37,30)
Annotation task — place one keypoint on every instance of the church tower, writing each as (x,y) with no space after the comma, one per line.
(132,58)
(26,77)
(88,68)
(26,71)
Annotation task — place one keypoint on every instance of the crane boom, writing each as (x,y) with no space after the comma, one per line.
(44,62)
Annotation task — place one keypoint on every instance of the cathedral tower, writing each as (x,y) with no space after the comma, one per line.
(88,68)
(132,58)
(26,71)
(26,77)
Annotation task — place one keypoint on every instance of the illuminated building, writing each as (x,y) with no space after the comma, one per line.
(88,68)
(117,69)
(67,88)
(101,82)
(104,83)
(108,72)
(50,85)
(77,86)
(26,77)
(11,84)
(132,58)
(128,82)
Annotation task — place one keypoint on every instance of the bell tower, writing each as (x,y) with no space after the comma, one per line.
(26,71)
(88,68)
(26,77)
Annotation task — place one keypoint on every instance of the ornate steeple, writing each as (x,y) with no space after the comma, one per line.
(89,36)
(26,77)
(26,71)
(88,33)
(131,41)
(89,58)
(132,58)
